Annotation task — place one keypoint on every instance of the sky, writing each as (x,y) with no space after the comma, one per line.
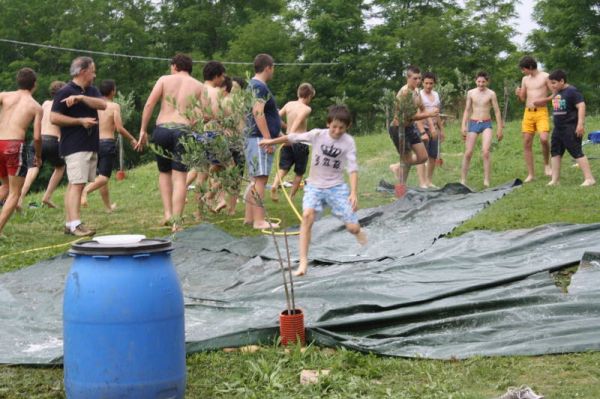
(525,23)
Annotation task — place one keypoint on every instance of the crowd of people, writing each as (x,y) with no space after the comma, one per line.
(75,131)
(418,127)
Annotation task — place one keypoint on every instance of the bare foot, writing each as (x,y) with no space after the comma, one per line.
(431,185)
(552,183)
(302,268)
(274,195)
(49,204)
(528,179)
(176,228)
(395,169)
(361,237)
(588,182)
(165,222)
(547,170)
(265,225)
(219,207)
(424,186)
(113,206)
(463,182)
(486,184)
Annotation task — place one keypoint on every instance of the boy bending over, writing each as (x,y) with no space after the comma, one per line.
(333,151)
(569,119)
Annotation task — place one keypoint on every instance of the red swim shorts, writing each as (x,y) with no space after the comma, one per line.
(13,158)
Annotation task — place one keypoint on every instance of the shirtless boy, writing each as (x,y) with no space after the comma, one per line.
(17,110)
(407,131)
(476,121)
(50,139)
(296,114)
(179,86)
(534,91)
(212,98)
(109,121)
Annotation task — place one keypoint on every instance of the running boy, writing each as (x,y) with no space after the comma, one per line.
(406,131)
(50,139)
(477,113)
(17,110)
(296,115)
(333,151)
(109,122)
(569,126)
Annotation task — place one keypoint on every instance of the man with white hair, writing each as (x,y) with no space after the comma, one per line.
(75,110)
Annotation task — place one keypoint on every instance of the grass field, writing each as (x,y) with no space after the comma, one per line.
(271,372)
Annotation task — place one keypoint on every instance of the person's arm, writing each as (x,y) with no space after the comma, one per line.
(499,121)
(542,102)
(423,114)
(465,117)
(353,198)
(120,128)
(37,137)
(282,115)
(521,91)
(352,169)
(258,111)
(59,119)
(92,102)
(153,98)
(269,143)
(580,128)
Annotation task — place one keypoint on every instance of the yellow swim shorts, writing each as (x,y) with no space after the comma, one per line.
(535,120)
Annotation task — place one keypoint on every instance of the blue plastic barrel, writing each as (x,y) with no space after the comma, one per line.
(123,319)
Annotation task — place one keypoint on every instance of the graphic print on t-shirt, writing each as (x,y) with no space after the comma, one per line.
(559,105)
(327,155)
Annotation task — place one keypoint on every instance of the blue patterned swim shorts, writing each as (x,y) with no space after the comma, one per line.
(335,197)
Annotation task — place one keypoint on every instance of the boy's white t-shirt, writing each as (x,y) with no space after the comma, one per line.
(329,156)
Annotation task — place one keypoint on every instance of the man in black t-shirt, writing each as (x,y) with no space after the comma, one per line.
(569,120)
(75,110)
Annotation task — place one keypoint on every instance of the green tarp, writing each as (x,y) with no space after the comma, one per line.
(410,292)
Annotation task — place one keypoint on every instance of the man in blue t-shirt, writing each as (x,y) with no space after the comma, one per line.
(263,123)
(75,110)
(569,121)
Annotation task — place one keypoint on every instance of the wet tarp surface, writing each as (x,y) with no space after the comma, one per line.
(409,292)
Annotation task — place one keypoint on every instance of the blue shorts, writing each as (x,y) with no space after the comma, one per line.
(479,126)
(431,145)
(259,161)
(335,197)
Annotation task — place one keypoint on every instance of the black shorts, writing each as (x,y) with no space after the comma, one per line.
(49,152)
(107,153)
(168,140)
(411,137)
(295,154)
(564,138)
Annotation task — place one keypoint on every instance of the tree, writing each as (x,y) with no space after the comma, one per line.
(569,38)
